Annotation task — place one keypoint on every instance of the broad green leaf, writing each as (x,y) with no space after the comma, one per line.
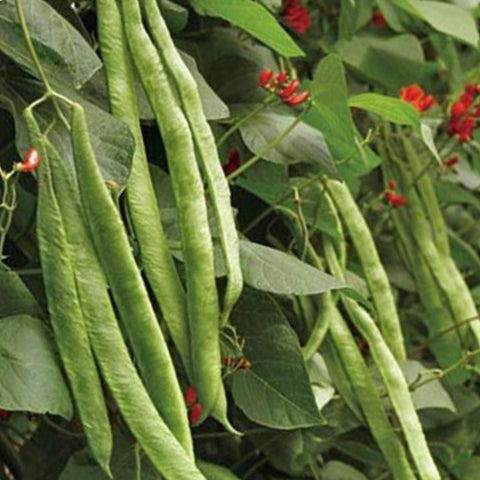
(444,17)
(320,379)
(335,470)
(271,270)
(256,20)
(30,377)
(448,193)
(429,395)
(332,117)
(427,137)
(215,472)
(388,108)
(446,50)
(111,138)
(389,62)
(275,391)
(347,21)
(63,51)
(15,297)
(304,144)
(472,468)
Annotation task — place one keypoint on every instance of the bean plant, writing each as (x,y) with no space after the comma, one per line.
(239,239)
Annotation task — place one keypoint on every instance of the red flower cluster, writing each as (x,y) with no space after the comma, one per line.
(451,162)
(415,96)
(240,363)
(378,20)
(233,161)
(463,114)
(5,414)
(282,87)
(193,406)
(30,161)
(296,16)
(391,196)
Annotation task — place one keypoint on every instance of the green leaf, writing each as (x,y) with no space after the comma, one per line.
(215,472)
(111,138)
(175,16)
(448,193)
(429,395)
(388,108)
(333,118)
(271,270)
(446,18)
(63,51)
(335,470)
(275,391)
(388,62)
(256,20)
(303,144)
(30,377)
(15,297)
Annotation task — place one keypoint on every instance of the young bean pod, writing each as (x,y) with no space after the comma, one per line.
(145,214)
(128,290)
(392,376)
(373,270)
(197,246)
(65,310)
(187,91)
(111,353)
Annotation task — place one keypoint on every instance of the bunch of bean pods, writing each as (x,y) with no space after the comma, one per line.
(90,273)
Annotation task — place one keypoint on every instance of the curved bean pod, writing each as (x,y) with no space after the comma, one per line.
(128,290)
(373,270)
(65,310)
(218,189)
(202,296)
(158,263)
(117,368)
(392,376)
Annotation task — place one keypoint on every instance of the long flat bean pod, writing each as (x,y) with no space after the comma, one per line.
(129,292)
(65,310)
(202,296)
(112,355)
(373,270)
(443,269)
(392,376)
(218,190)
(145,214)
(368,397)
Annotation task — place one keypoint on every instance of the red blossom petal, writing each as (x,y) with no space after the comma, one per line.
(395,199)
(289,90)
(392,185)
(30,162)
(195,414)
(297,99)
(450,162)
(190,396)
(5,414)
(378,19)
(296,16)
(233,161)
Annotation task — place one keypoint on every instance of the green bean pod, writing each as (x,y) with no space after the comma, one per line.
(128,290)
(373,270)
(117,368)
(145,214)
(197,246)
(443,269)
(368,397)
(65,310)
(392,376)
(218,189)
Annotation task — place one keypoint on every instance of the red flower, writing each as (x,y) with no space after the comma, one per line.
(5,414)
(378,20)
(450,162)
(265,77)
(297,99)
(289,90)
(395,199)
(233,161)
(463,113)
(190,396)
(195,414)
(415,96)
(392,184)
(281,78)
(296,16)
(30,162)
